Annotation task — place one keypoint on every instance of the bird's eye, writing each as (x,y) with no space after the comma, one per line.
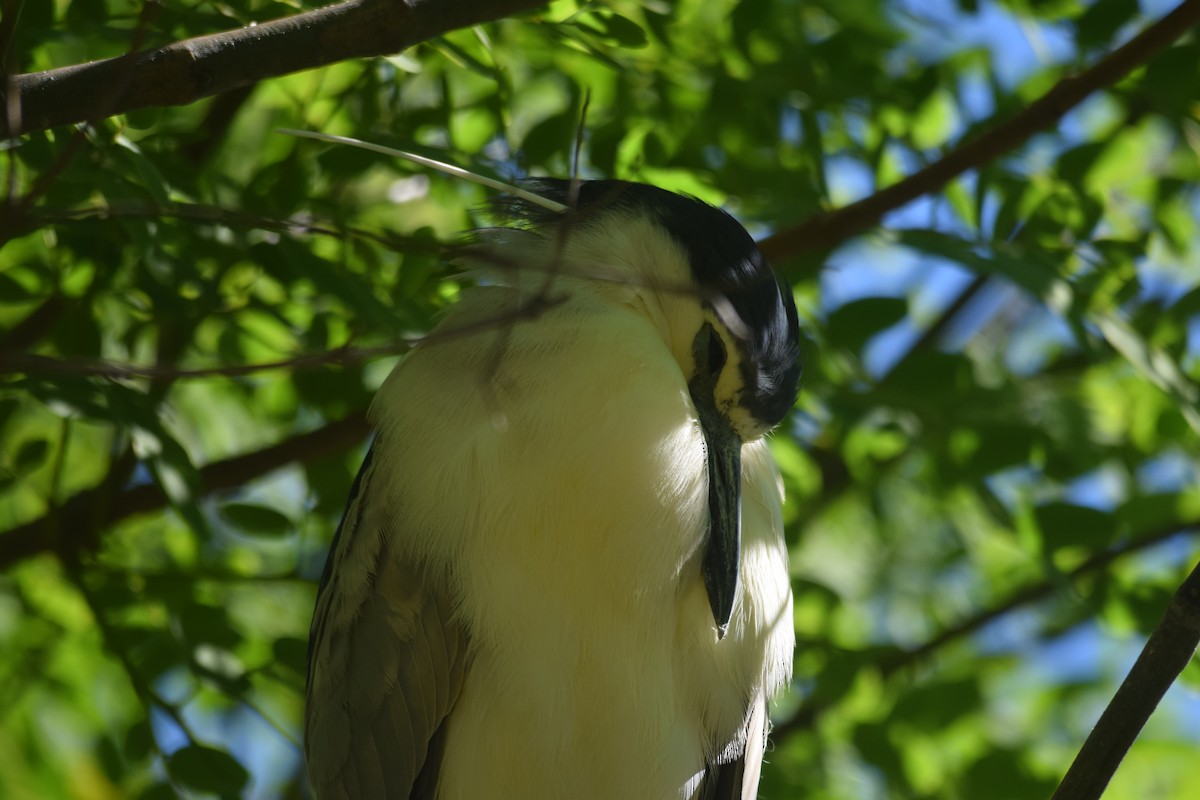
(716,352)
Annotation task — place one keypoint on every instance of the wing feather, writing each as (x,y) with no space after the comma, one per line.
(386,663)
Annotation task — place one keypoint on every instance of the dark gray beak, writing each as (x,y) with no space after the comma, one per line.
(723,556)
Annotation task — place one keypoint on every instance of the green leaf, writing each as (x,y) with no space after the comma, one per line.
(151,651)
(207,770)
(158,791)
(148,176)
(930,382)
(1001,774)
(612,28)
(1066,525)
(878,749)
(1153,512)
(935,121)
(31,455)
(13,291)
(89,14)
(553,136)
(935,705)
(256,520)
(110,760)
(1155,365)
(1103,18)
(202,624)
(992,448)
(291,653)
(139,741)
(852,324)
(1000,259)
(289,262)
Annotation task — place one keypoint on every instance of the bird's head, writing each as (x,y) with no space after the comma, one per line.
(730,323)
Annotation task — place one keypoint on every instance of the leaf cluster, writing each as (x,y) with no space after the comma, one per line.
(990,473)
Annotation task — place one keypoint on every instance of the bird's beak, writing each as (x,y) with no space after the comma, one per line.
(722,559)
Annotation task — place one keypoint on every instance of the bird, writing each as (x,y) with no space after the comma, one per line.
(561,571)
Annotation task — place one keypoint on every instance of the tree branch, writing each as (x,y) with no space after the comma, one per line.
(208,214)
(825,231)
(76,525)
(1169,649)
(894,661)
(33,364)
(183,72)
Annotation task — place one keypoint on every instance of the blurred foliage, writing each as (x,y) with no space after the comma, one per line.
(989,501)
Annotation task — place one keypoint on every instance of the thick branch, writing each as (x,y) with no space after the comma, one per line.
(77,525)
(186,71)
(828,230)
(1169,649)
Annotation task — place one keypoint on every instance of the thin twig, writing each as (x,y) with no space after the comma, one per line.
(893,662)
(199,212)
(33,364)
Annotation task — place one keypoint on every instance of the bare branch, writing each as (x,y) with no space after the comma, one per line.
(825,231)
(1169,649)
(183,72)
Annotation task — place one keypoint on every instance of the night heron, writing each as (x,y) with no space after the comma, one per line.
(561,572)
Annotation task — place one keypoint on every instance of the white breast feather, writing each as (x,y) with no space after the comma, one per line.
(572,535)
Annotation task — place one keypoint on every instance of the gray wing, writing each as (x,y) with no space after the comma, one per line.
(385,665)
(738,779)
